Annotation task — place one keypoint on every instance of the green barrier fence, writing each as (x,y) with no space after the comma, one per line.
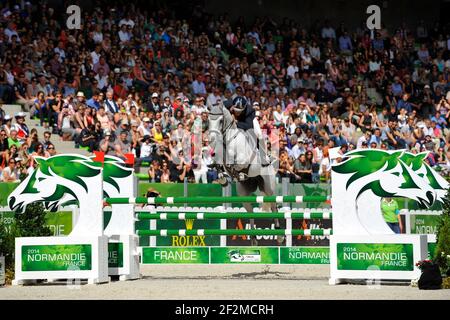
(233,199)
(232,215)
(248,232)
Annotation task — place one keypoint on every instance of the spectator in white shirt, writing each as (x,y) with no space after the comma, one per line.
(124,36)
(96,55)
(10,31)
(292,69)
(328,31)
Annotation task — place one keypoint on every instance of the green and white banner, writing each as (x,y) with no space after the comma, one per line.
(165,255)
(60,223)
(384,256)
(239,255)
(424,223)
(305,255)
(115,255)
(56,257)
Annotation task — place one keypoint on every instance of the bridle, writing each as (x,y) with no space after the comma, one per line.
(224,130)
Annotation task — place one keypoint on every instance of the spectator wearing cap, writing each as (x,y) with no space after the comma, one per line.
(177,104)
(186,106)
(21,127)
(66,126)
(153,105)
(81,99)
(106,145)
(6,124)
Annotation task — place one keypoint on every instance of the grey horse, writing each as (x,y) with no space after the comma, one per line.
(235,152)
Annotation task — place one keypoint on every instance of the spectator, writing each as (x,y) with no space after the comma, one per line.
(11,172)
(87,138)
(303,168)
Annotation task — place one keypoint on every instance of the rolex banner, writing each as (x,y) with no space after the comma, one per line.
(56,257)
(188,241)
(381,256)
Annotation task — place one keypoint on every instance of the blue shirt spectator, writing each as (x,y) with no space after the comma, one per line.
(93,103)
(345,43)
(404,104)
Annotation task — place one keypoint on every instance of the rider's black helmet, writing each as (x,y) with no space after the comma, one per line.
(239,103)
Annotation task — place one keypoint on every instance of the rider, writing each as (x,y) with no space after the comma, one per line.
(244,114)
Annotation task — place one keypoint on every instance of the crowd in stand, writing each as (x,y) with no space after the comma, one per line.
(135,80)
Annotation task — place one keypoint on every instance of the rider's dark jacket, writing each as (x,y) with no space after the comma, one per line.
(245,119)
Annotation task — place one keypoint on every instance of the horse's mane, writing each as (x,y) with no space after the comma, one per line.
(227,117)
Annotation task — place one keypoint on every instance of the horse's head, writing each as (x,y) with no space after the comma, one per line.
(55,180)
(417,163)
(386,175)
(215,123)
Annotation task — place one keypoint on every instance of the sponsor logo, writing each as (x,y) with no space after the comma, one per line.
(244,256)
